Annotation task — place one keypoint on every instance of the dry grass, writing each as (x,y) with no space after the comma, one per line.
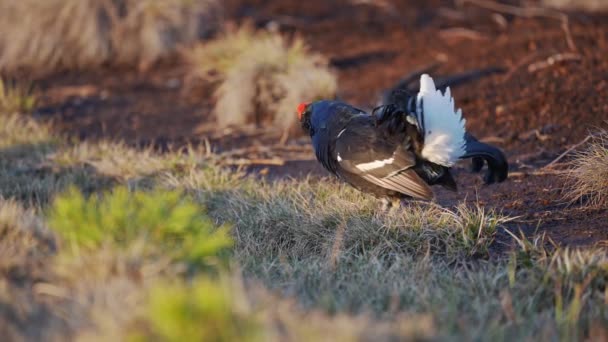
(26,247)
(25,239)
(325,245)
(98,294)
(587,180)
(47,36)
(263,76)
(15,97)
(112,160)
(18,132)
(24,176)
(282,320)
(302,218)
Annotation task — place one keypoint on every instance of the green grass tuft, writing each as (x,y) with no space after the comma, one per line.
(203,310)
(168,223)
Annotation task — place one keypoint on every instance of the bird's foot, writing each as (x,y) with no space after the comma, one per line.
(390,204)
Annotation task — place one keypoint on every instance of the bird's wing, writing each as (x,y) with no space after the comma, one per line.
(361,152)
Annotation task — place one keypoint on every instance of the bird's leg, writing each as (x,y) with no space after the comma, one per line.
(386,205)
(389,204)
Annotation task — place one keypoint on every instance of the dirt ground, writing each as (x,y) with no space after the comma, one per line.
(547,99)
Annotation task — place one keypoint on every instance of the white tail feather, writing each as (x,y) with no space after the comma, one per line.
(443,126)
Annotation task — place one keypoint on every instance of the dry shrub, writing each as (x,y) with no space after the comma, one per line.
(212,60)
(264,77)
(589,5)
(588,177)
(51,35)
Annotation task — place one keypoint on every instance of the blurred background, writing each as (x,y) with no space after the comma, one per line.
(179,71)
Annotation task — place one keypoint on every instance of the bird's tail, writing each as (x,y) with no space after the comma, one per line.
(498,167)
(440,123)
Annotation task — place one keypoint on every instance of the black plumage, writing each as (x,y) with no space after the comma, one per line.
(381,153)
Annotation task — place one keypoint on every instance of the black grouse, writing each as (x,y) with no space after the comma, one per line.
(402,148)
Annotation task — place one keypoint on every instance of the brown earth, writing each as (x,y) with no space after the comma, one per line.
(535,110)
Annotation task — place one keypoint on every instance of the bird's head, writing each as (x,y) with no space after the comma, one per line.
(316,116)
(304,111)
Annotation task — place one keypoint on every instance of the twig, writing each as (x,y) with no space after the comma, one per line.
(527,59)
(539,172)
(531,156)
(500,20)
(551,60)
(243,162)
(572,148)
(528,12)
(265,149)
(382,4)
(459,33)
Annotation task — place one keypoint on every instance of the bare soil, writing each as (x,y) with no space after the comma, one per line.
(548,98)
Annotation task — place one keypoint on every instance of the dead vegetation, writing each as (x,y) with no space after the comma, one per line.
(42,37)
(587,179)
(26,246)
(263,77)
(25,239)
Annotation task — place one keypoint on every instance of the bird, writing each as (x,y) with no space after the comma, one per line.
(400,149)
